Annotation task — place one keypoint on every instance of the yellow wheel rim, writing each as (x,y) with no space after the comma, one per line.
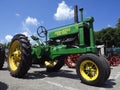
(51,63)
(89,70)
(14,55)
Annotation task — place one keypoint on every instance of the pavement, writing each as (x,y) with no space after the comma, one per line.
(66,79)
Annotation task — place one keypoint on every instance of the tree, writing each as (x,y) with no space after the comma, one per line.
(106,36)
(118,23)
(109,36)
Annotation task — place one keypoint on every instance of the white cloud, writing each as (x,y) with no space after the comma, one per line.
(63,12)
(28,25)
(17,14)
(26,33)
(109,25)
(8,37)
(31,21)
(25,27)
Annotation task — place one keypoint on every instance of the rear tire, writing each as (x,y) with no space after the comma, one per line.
(19,56)
(92,69)
(2,55)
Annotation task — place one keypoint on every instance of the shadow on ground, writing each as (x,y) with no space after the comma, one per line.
(43,74)
(65,74)
(4,69)
(109,83)
(3,86)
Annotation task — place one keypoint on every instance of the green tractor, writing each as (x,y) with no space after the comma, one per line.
(2,55)
(76,38)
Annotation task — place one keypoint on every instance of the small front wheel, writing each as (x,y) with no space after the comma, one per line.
(91,69)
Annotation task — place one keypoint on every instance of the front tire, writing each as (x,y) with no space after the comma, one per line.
(19,56)
(92,69)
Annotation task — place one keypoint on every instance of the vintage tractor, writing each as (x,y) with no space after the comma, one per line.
(76,38)
(2,55)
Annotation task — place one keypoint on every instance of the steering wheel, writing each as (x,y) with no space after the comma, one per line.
(41,31)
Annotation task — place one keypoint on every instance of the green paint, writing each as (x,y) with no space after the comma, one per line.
(77,38)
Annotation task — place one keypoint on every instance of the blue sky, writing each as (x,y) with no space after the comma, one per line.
(24,16)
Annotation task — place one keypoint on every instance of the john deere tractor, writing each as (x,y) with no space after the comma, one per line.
(2,55)
(76,38)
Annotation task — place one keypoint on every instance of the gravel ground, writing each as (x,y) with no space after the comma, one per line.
(66,79)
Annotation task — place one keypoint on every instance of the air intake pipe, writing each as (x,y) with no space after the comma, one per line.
(81,14)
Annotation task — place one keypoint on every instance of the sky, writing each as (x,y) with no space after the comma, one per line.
(24,16)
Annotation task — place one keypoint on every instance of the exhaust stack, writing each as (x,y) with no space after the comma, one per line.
(75,14)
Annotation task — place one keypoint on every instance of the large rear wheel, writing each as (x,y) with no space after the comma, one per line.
(92,69)
(19,56)
(2,55)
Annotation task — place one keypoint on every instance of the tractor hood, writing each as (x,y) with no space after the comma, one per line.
(65,30)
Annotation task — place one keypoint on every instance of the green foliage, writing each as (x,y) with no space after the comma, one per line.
(7,45)
(109,36)
(118,23)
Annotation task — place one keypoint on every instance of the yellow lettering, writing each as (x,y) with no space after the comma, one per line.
(62,32)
